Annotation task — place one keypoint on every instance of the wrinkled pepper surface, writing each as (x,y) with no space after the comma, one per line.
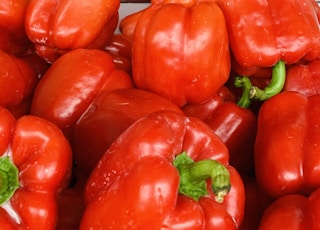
(180,50)
(286,144)
(142,181)
(263,32)
(56,27)
(35,165)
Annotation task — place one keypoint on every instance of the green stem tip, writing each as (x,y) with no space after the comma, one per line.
(250,92)
(194,176)
(9,179)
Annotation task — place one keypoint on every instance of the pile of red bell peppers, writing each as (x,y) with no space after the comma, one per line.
(201,114)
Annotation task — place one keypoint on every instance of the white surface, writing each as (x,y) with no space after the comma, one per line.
(129,8)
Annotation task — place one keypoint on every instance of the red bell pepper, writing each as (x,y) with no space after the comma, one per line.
(72,82)
(304,78)
(71,208)
(262,33)
(13,39)
(286,144)
(38,64)
(293,211)
(107,117)
(35,165)
(17,82)
(165,171)
(180,50)
(70,202)
(236,126)
(317,8)
(58,26)
(119,47)
(270,34)
(256,203)
(128,24)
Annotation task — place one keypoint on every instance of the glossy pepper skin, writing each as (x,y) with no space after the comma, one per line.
(58,26)
(119,47)
(286,142)
(236,126)
(109,115)
(263,32)
(13,39)
(304,78)
(72,82)
(128,24)
(71,203)
(38,64)
(17,82)
(180,50)
(256,203)
(135,183)
(293,211)
(35,166)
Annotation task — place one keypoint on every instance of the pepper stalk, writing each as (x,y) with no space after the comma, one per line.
(250,92)
(194,176)
(9,179)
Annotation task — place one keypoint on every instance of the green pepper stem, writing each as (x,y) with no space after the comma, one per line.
(245,84)
(194,176)
(254,93)
(9,179)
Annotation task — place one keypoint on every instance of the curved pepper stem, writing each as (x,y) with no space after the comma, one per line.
(194,175)
(9,179)
(251,92)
